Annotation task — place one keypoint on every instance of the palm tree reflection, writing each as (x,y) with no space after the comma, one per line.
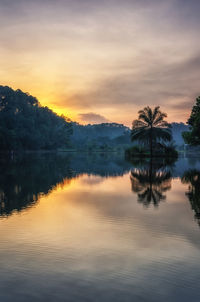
(150,182)
(192,178)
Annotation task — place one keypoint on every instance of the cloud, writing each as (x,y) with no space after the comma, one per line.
(92,118)
(156,83)
(92,56)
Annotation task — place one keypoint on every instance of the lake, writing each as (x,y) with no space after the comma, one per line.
(98,228)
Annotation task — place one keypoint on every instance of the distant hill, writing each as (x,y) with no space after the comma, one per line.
(100,135)
(111,130)
(113,134)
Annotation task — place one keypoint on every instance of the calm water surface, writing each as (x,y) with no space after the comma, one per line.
(95,228)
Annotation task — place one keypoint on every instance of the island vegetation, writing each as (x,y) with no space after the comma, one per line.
(152,134)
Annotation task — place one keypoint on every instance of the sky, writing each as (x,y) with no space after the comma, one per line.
(103,60)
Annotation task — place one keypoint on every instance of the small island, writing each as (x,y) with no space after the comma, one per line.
(152,135)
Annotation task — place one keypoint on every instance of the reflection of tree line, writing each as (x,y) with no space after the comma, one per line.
(192,178)
(100,164)
(24,180)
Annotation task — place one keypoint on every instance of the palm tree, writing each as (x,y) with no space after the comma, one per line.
(151,128)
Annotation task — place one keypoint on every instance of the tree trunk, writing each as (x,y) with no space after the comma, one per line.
(150,175)
(151,143)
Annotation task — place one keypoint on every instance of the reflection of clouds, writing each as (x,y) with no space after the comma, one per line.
(92,180)
(130,246)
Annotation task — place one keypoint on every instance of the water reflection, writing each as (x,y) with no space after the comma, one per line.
(150,181)
(192,178)
(91,239)
(25,179)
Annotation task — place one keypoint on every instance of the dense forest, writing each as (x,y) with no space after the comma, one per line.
(25,124)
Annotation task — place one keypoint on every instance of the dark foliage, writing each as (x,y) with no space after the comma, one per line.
(150,128)
(167,152)
(192,137)
(135,152)
(24,124)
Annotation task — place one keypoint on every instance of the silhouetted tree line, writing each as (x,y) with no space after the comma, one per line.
(25,124)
